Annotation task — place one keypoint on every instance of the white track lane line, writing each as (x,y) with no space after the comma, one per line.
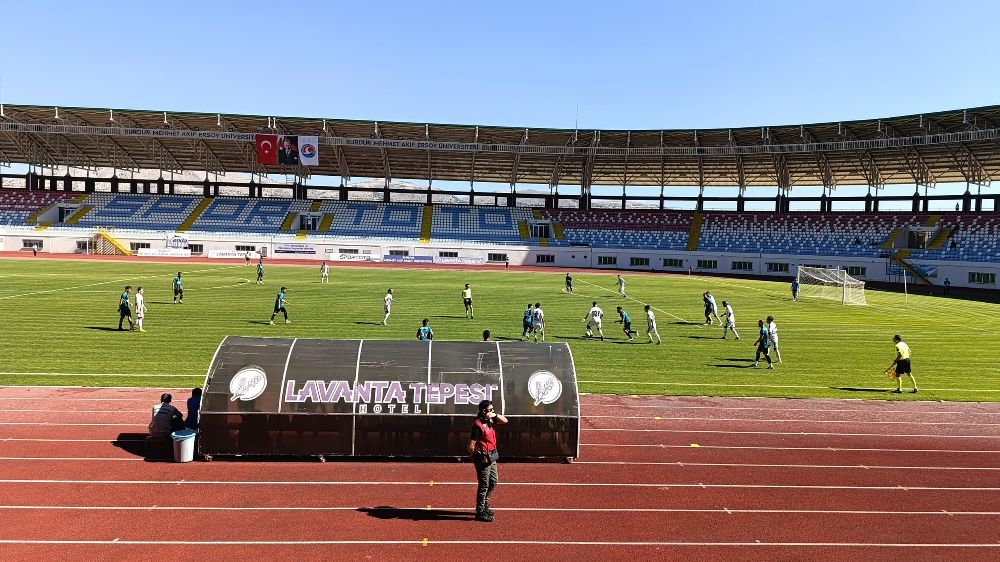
(614,463)
(507,509)
(479,543)
(123,280)
(660,485)
(132,413)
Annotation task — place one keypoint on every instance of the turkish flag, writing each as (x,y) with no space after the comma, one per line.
(267,149)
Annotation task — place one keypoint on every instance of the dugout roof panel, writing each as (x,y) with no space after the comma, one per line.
(948,146)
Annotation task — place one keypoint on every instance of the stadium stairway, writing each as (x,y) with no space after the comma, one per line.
(425,224)
(325,223)
(902,257)
(42,226)
(557,230)
(932,220)
(286,226)
(522,229)
(102,242)
(940,237)
(695,234)
(79,214)
(315,207)
(890,240)
(205,202)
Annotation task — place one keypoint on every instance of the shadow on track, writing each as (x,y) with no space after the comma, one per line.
(387,512)
(856,389)
(154,451)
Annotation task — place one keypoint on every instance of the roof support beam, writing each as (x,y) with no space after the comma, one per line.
(517,161)
(343,168)
(247,155)
(472,166)
(558,168)
(386,170)
(701,168)
(663,169)
(587,181)
(430,171)
(867,165)
(201,148)
(117,152)
(823,169)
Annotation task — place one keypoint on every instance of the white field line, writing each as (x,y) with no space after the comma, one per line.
(660,485)
(802,433)
(479,543)
(657,383)
(738,447)
(53,374)
(640,510)
(614,463)
(122,280)
(635,300)
(669,405)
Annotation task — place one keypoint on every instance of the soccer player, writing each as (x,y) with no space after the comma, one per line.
(178,290)
(140,308)
(260,271)
(730,323)
(593,318)
(795,289)
(569,283)
(467,300)
(711,309)
(902,365)
(538,322)
(526,322)
(279,306)
(388,306)
(124,309)
(763,344)
(246,256)
(324,273)
(621,286)
(626,321)
(424,332)
(651,325)
(772,330)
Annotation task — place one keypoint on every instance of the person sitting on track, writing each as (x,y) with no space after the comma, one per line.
(166,418)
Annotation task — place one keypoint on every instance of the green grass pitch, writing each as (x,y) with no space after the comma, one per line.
(59,319)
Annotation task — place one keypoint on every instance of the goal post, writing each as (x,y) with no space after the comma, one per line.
(830,283)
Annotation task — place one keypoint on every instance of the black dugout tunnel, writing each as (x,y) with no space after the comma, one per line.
(383,398)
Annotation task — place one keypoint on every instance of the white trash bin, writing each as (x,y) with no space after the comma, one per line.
(184,445)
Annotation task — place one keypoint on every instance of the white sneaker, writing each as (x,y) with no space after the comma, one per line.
(271,322)
(754,364)
(771,366)
(288,321)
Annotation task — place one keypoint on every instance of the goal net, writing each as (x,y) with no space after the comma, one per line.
(833,284)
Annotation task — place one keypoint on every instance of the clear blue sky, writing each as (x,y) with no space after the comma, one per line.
(634,65)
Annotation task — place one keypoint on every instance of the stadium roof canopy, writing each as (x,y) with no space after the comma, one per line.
(948,146)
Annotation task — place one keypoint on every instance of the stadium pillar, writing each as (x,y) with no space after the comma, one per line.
(925,204)
(342,194)
(114,184)
(88,185)
(133,186)
(777,203)
(979,204)
(740,203)
(699,204)
(868,203)
(53,183)
(170,188)
(29,180)
(206,188)
(875,204)
(67,182)
(160,186)
(966,200)
(916,202)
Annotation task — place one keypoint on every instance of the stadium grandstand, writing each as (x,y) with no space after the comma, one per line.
(167,183)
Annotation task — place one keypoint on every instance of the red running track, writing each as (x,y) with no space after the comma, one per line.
(698,478)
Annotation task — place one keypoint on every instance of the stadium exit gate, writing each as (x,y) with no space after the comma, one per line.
(381,398)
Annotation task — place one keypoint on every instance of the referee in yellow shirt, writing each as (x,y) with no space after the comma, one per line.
(902,365)
(467,300)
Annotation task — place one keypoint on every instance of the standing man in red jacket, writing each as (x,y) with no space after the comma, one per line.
(483,448)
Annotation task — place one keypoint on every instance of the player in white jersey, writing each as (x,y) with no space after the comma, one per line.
(651,325)
(538,322)
(772,332)
(324,273)
(621,286)
(140,308)
(730,321)
(388,307)
(593,319)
